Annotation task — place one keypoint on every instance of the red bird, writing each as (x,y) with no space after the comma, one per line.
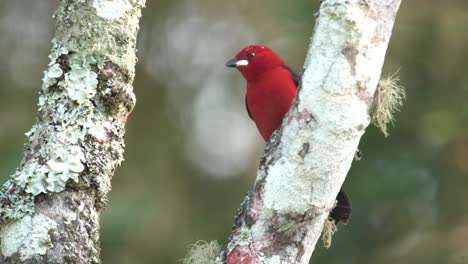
(271,88)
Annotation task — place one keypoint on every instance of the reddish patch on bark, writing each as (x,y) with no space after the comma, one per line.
(233,234)
(267,241)
(304,117)
(107,72)
(253,216)
(242,255)
(274,220)
(106,136)
(255,207)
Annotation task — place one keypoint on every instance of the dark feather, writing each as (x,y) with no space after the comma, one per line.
(342,211)
(247,107)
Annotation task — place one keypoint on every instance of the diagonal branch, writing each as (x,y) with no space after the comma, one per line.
(306,161)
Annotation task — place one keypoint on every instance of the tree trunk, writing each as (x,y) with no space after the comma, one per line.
(49,209)
(307,159)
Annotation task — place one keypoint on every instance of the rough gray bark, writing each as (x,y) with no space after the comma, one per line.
(49,209)
(307,159)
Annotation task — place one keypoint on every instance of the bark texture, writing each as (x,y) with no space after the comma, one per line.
(307,159)
(49,209)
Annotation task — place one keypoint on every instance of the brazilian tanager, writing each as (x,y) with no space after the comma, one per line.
(271,88)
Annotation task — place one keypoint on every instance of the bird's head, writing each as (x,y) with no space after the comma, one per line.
(254,60)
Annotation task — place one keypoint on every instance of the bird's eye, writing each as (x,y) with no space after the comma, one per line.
(251,55)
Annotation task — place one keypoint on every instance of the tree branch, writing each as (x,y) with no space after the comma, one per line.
(49,209)
(307,159)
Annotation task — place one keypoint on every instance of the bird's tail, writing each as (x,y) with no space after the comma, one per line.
(342,211)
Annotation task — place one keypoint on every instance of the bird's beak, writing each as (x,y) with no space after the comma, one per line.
(237,62)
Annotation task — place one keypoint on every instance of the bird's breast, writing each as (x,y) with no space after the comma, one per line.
(269,99)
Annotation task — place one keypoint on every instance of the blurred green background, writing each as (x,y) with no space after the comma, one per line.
(192,152)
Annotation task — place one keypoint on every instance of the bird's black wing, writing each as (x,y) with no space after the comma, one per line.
(342,211)
(247,107)
(296,77)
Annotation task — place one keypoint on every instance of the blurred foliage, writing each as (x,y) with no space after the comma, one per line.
(192,152)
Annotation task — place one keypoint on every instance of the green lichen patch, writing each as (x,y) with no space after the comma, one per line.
(77,142)
(27,237)
(54,152)
(78,24)
(14,203)
(71,118)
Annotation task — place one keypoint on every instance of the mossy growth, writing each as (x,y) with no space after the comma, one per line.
(388,100)
(329,229)
(202,252)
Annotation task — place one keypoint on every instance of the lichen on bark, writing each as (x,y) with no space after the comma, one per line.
(78,140)
(307,159)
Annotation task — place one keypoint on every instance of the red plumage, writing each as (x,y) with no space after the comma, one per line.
(271,86)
